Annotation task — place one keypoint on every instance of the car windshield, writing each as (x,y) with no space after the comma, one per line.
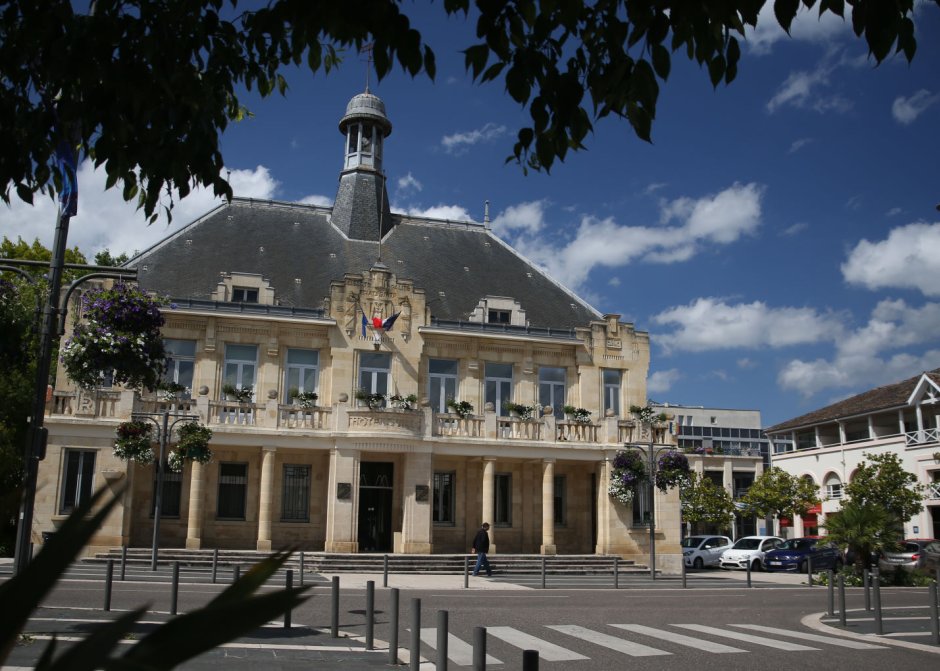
(747,544)
(799,544)
(692,541)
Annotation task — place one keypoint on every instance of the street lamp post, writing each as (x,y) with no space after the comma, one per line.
(652,450)
(161,420)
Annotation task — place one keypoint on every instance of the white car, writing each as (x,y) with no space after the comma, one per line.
(749,551)
(702,551)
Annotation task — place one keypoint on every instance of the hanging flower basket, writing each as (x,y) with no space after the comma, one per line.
(672,470)
(628,471)
(193,445)
(120,336)
(409,402)
(134,442)
(175,461)
(463,409)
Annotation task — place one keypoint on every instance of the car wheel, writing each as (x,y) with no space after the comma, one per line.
(756,565)
(698,563)
(802,568)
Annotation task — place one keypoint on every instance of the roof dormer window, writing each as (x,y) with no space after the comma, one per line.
(244,295)
(499,317)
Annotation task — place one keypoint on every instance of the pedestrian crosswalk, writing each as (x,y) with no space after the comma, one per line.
(637,640)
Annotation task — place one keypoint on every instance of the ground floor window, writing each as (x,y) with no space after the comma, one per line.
(642,505)
(233,491)
(172,493)
(444,496)
(561,501)
(77,479)
(502,491)
(295,500)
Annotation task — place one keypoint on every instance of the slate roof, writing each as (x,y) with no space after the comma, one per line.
(874,400)
(285,242)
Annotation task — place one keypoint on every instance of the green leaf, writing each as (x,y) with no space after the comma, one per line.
(25,193)
(87,654)
(716,69)
(837,7)
(661,61)
(785,11)
(475,58)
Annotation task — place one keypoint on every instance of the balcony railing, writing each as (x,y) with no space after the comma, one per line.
(921,437)
(933,490)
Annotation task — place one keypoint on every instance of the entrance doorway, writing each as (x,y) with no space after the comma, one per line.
(375,506)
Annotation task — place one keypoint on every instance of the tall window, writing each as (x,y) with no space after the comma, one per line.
(641,505)
(301,372)
(552,389)
(295,500)
(442,383)
(561,501)
(77,480)
(502,506)
(833,487)
(444,496)
(233,491)
(612,391)
(374,372)
(172,493)
(241,362)
(180,363)
(498,385)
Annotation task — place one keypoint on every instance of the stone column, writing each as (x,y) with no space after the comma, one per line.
(416,518)
(342,507)
(489,479)
(266,499)
(197,500)
(548,507)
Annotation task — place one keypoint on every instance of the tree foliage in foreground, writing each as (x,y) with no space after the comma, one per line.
(145,88)
(882,481)
(863,528)
(707,503)
(777,493)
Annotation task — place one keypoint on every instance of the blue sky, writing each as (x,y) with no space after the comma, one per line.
(779,239)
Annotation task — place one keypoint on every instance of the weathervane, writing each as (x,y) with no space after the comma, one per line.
(367,49)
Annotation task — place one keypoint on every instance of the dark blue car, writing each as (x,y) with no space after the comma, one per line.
(796,554)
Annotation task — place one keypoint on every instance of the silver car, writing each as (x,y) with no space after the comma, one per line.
(749,551)
(702,551)
(909,557)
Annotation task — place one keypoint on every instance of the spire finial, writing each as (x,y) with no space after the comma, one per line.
(486,213)
(367,50)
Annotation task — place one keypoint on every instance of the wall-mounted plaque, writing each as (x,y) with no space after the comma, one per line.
(343,490)
(421,493)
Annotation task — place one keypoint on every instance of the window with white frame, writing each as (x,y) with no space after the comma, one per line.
(233,491)
(442,383)
(561,500)
(375,372)
(295,496)
(502,505)
(241,364)
(552,390)
(301,372)
(833,486)
(444,497)
(612,391)
(77,479)
(180,363)
(497,385)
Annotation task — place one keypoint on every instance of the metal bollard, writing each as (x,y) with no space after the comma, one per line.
(530,660)
(215,564)
(842,599)
(442,640)
(682,564)
(109,577)
(370,614)
(749,573)
(479,649)
(830,609)
(334,607)
(236,573)
(879,625)
(123,561)
(616,572)
(393,626)
(289,584)
(385,571)
(175,591)
(809,571)
(866,581)
(466,573)
(301,568)
(415,662)
(934,618)
(543,572)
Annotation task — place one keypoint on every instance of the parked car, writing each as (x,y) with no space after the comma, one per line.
(702,551)
(749,551)
(909,556)
(932,556)
(796,553)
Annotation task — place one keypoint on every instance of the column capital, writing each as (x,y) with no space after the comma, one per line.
(268,448)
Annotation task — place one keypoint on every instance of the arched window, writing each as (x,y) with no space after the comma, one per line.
(833,485)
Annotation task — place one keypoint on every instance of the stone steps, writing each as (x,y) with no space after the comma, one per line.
(322,562)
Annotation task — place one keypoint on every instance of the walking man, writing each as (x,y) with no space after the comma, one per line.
(481,545)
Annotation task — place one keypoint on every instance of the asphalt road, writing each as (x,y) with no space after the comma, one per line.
(715,623)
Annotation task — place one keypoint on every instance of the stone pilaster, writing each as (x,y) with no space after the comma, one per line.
(342,524)
(416,520)
(266,499)
(548,507)
(489,482)
(197,501)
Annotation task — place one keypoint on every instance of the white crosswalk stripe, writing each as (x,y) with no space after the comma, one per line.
(679,639)
(547,651)
(806,636)
(607,641)
(458,651)
(740,636)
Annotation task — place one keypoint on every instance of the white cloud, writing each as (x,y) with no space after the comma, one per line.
(907,259)
(409,182)
(713,324)
(104,219)
(614,281)
(863,357)
(686,227)
(654,187)
(807,26)
(528,217)
(803,90)
(662,380)
(795,229)
(746,363)
(313,199)
(796,145)
(459,142)
(450,212)
(906,110)
(893,212)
